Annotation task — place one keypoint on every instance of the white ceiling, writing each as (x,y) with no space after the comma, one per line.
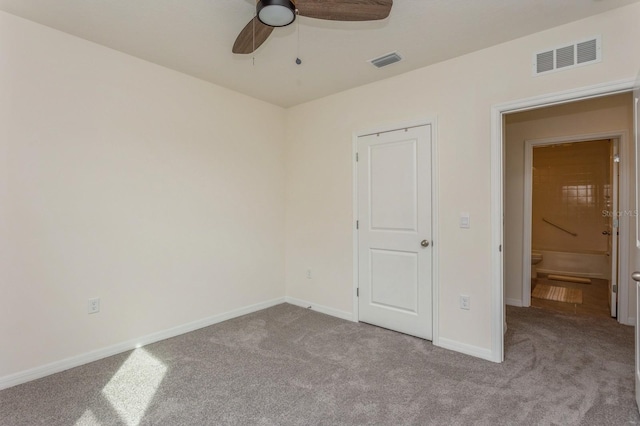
(195,37)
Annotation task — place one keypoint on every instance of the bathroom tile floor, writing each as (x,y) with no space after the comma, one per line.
(595,298)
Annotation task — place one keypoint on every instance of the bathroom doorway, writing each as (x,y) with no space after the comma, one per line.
(605,122)
(571,195)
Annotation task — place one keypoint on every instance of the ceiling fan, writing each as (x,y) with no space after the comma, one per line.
(280,13)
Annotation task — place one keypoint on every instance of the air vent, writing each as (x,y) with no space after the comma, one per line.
(568,56)
(544,62)
(588,51)
(385,60)
(565,57)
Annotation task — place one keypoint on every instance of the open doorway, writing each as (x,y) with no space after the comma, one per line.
(572,225)
(571,197)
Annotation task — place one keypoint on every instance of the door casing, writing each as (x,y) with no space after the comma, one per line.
(498,111)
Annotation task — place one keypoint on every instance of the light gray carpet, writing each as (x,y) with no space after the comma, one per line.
(291,366)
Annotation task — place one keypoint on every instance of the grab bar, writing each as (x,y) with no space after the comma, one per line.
(559,227)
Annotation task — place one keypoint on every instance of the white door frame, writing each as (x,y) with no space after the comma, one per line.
(434,208)
(497,188)
(619,137)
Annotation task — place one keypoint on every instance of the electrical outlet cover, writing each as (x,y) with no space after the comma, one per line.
(93,306)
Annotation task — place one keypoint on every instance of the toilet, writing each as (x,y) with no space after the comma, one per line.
(536,257)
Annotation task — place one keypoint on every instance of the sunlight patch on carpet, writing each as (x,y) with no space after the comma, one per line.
(132,388)
(559,294)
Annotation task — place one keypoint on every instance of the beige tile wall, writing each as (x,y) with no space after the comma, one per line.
(572,188)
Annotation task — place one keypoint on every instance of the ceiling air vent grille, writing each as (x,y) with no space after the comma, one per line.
(385,60)
(566,57)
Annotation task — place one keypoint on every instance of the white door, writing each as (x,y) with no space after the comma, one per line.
(636,275)
(394,230)
(614,226)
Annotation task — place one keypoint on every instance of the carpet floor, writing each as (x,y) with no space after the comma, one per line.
(291,366)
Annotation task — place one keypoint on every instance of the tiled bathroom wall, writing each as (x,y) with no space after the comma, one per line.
(572,189)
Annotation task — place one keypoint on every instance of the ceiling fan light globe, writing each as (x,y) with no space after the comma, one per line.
(276,13)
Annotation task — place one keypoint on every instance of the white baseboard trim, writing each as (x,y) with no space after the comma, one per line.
(466,349)
(320,308)
(513,302)
(631,321)
(442,342)
(75,361)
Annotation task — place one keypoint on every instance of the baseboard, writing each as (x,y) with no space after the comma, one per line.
(442,342)
(513,302)
(320,308)
(466,349)
(75,361)
(631,321)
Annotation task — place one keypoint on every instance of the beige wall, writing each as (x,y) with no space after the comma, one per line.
(611,113)
(571,188)
(165,196)
(460,93)
(159,193)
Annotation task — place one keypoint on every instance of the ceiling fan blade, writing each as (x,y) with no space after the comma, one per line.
(245,43)
(345,10)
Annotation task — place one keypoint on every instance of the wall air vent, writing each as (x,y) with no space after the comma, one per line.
(385,60)
(568,56)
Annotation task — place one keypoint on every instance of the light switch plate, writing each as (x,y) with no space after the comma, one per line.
(465,220)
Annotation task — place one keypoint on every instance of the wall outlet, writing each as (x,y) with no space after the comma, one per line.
(465,302)
(308,274)
(94,306)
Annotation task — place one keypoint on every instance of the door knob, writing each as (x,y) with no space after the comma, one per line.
(424,243)
(606,233)
(636,276)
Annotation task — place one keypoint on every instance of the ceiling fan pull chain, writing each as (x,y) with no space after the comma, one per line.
(253,50)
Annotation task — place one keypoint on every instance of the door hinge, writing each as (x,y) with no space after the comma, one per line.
(358,292)
(500,248)
(356,156)
(615,288)
(357,224)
